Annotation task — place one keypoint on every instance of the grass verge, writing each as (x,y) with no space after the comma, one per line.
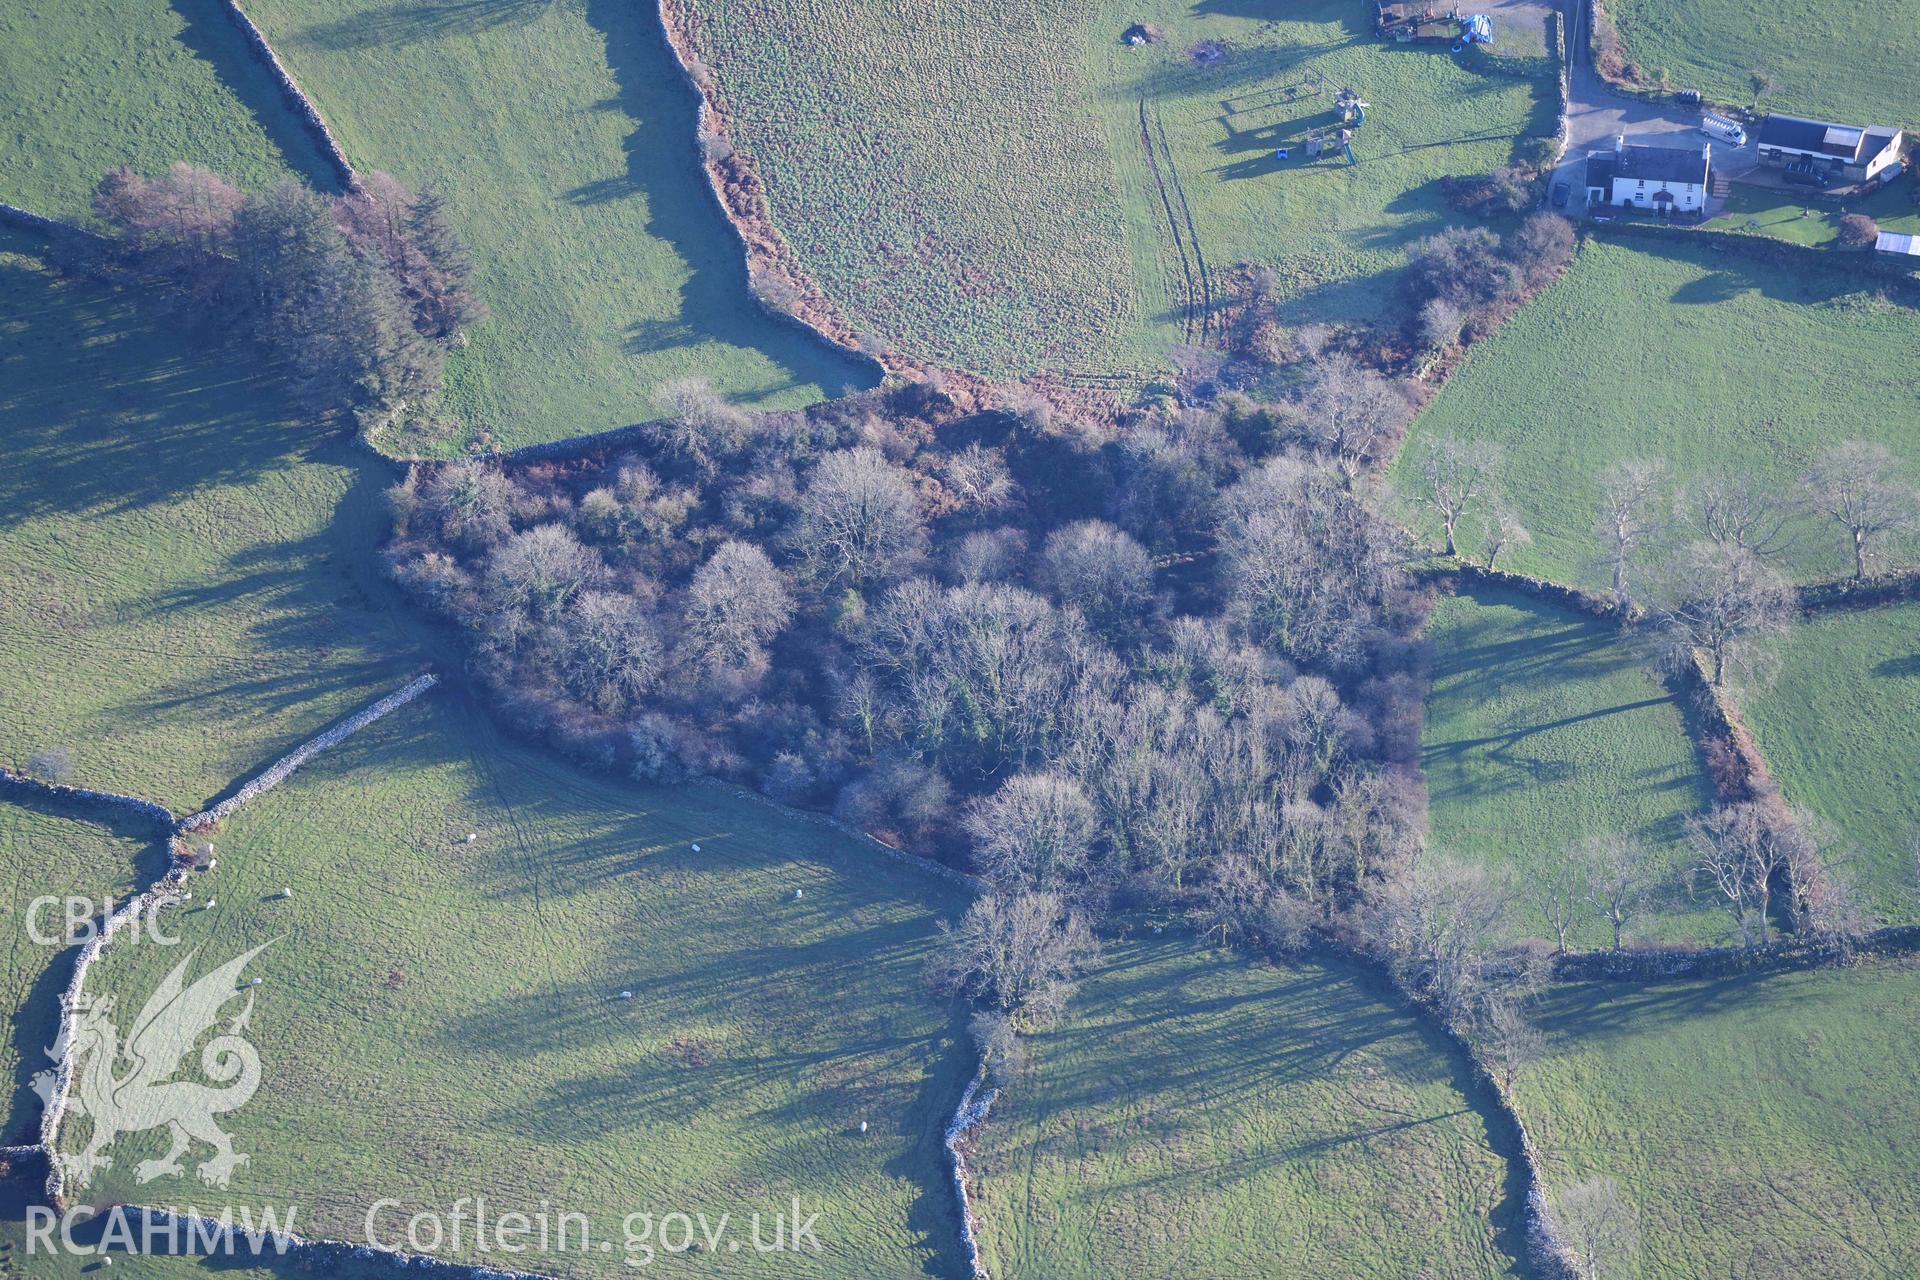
(1810,57)
(50,852)
(1096,195)
(86,85)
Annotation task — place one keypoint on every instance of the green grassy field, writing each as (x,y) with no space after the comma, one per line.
(1780,214)
(1329,229)
(1824,59)
(1840,727)
(564,140)
(1036,236)
(1763,1126)
(1543,727)
(1197,1114)
(187,581)
(89,84)
(48,851)
(1680,354)
(440,1019)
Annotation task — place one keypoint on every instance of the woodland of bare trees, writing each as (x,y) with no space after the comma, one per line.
(1094,666)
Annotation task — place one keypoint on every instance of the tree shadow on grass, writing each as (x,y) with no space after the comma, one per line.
(404,24)
(662,167)
(111,400)
(213,38)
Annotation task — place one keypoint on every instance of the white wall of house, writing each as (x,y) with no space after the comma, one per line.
(1637,193)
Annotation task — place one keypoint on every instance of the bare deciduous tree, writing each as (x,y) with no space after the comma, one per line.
(51,764)
(699,424)
(1501,530)
(1018,951)
(1719,600)
(1101,571)
(1508,1038)
(860,518)
(978,479)
(540,571)
(1735,508)
(614,653)
(1309,566)
(1350,411)
(988,555)
(1739,850)
(1617,875)
(1559,885)
(736,603)
(1435,924)
(1035,832)
(1456,476)
(1597,1227)
(1858,485)
(1627,493)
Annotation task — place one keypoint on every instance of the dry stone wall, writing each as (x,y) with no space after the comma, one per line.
(296,99)
(276,773)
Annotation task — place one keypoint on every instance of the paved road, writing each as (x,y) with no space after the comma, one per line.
(1596,115)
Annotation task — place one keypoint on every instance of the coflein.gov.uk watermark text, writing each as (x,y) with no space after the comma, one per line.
(468,1229)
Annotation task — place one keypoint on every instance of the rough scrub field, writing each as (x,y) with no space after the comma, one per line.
(440,1018)
(50,851)
(1763,1126)
(1544,727)
(1808,57)
(187,583)
(1197,1113)
(939,170)
(1840,727)
(563,138)
(1681,354)
(89,84)
(1097,195)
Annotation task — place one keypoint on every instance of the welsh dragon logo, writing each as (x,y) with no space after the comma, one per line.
(126,1087)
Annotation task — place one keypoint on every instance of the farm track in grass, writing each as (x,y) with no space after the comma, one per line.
(1824,58)
(1054,231)
(187,576)
(1193,233)
(1683,354)
(1763,1126)
(1196,1113)
(443,1019)
(563,137)
(1840,728)
(1543,727)
(86,85)
(1187,305)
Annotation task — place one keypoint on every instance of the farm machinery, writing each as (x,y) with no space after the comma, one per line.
(1333,140)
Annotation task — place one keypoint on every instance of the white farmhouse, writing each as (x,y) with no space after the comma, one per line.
(1664,179)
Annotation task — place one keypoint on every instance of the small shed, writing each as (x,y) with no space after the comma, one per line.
(1896,243)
